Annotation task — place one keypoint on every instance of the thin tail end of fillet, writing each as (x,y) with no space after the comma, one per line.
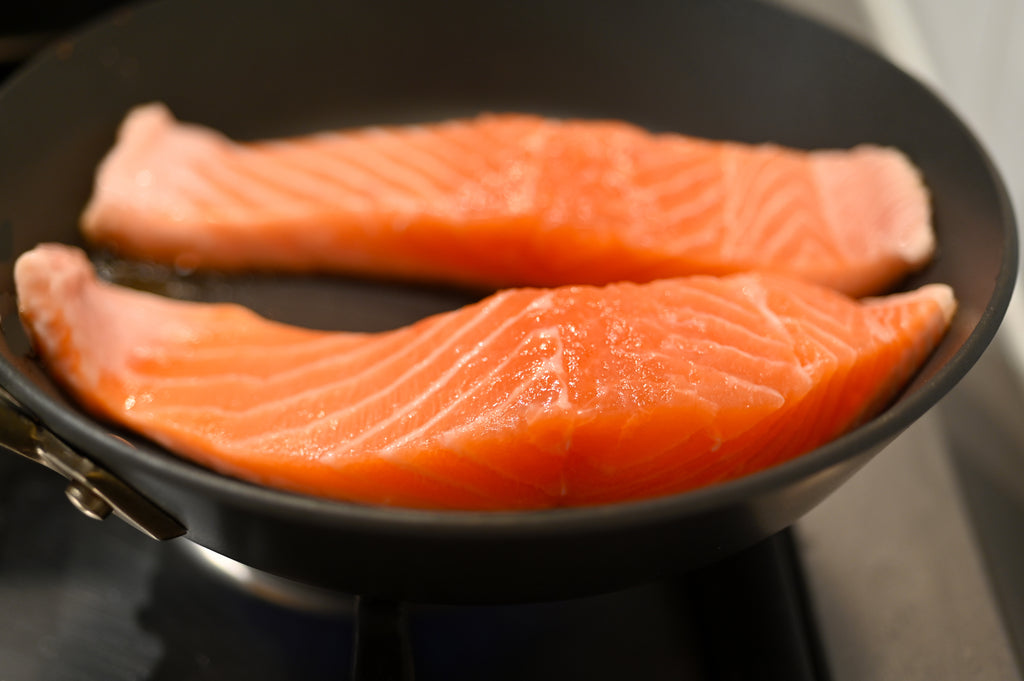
(149,139)
(881,209)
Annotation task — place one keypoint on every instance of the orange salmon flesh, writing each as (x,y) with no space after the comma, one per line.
(531,398)
(504,200)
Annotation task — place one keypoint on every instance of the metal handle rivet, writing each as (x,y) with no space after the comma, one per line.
(87,501)
(91,489)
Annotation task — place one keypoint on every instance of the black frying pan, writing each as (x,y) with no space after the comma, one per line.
(724,69)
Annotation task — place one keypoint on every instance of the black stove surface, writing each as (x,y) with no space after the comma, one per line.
(85,600)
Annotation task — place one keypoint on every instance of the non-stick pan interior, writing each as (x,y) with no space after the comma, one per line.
(720,69)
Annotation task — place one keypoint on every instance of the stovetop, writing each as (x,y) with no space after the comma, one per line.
(89,601)
(908,564)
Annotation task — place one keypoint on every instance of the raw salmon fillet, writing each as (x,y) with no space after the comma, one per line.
(508,200)
(530,398)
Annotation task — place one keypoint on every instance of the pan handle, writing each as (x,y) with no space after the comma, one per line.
(91,489)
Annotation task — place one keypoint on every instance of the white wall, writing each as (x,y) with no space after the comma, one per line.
(976,51)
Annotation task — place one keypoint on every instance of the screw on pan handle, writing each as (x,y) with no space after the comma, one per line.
(91,489)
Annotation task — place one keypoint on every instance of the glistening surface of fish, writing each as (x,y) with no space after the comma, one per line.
(528,399)
(509,200)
